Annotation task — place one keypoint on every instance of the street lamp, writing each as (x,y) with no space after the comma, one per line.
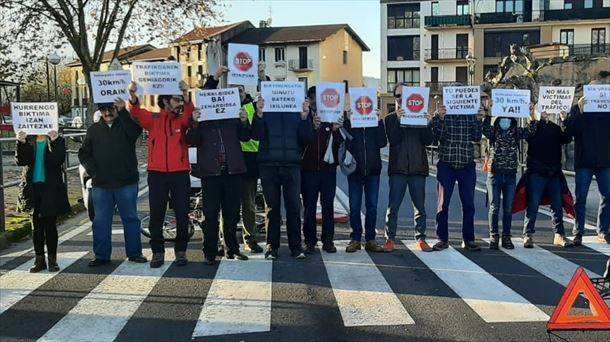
(81,84)
(54,59)
(471,60)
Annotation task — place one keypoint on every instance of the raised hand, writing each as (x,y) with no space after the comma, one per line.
(21,136)
(53,135)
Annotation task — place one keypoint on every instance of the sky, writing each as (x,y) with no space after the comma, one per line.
(362,15)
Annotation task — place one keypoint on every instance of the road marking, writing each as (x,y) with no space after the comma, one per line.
(545,262)
(239,299)
(103,313)
(114,232)
(363,295)
(593,243)
(19,282)
(486,295)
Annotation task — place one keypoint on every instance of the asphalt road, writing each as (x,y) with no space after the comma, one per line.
(452,295)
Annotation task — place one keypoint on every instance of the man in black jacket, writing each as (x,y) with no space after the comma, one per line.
(108,154)
(282,137)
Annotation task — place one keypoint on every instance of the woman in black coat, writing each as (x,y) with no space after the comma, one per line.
(42,191)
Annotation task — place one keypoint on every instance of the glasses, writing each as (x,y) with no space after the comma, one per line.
(178,98)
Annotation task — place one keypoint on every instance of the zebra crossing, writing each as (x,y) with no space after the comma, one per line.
(240,299)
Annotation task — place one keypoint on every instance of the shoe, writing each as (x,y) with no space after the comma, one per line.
(53,267)
(39,264)
(209,262)
(494,241)
(329,247)
(181,259)
(577,240)
(604,237)
(439,246)
(470,246)
(353,246)
(372,246)
(157,260)
(97,262)
(528,242)
(298,254)
(389,246)
(560,240)
(237,256)
(253,247)
(507,242)
(422,245)
(310,248)
(140,259)
(271,254)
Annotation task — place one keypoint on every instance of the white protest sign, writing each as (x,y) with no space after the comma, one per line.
(108,85)
(243,64)
(157,78)
(218,104)
(554,100)
(35,118)
(513,103)
(598,98)
(283,96)
(364,107)
(415,104)
(330,101)
(462,100)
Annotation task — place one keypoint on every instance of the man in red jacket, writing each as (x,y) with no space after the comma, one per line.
(168,167)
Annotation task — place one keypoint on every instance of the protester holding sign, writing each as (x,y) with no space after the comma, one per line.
(591,132)
(408,167)
(108,154)
(501,164)
(319,179)
(282,137)
(455,135)
(168,167)
(42,191)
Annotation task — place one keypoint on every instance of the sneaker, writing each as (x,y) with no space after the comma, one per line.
(389,246)
(353,246)
(528,242)
(181,259)
(422,245)
(507,242)
(439,246)
(494,241)
(97,262)
(604,237)
(470,246)
(310,248)
(298,254)
(253,247)
(271,254)
(577,240)
(140,259)
(329,247)
(560,240)
(237,256)
(372,246)
(157,260)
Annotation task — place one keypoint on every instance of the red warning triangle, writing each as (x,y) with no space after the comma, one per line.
(561,318)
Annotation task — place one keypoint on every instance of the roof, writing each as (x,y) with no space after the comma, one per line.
(156,54)
(124,53)
(203,33)
(295,34)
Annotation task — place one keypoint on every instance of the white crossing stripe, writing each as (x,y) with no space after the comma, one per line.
(362,293)
(102,314)
(486,295)
(19,282)
(114,232)
(596,245)
(239,299)
(545,262)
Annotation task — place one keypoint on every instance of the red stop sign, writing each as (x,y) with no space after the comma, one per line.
(364,105)
(330,98)
(415,103)
(243,61)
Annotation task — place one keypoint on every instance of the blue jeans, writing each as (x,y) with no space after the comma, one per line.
(370,185)
(104,201)
(417,191)
(583,181)
(466,178)
(501,184)
(537,186)
(320,184)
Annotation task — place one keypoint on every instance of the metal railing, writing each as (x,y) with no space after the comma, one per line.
(447,20)
(458,53)
(300,64)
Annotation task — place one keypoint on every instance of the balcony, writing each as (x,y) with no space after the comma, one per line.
(437,87)
(574,14)
(446,55)
(589,50)
(297,65)
(447,20)
(502,18)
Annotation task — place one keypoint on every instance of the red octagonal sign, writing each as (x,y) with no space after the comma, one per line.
(243,61)
(330,98)
(415,103)
(364,105)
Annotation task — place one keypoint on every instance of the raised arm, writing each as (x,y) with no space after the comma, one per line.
(141,115)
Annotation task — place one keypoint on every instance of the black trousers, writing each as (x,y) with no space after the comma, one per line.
(44,228)
(221,193)
(175,187)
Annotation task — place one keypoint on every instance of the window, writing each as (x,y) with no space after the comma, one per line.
(462,7)
(279,54)
(497,44)
(434,74)
(567,4)
(509,6)
(188,71)
(403,48)
(435,8)
(588,3)
(199,51)
(598,40)
(304,80)
(261,54)
(200,69)
(177,54)
(566,37)
(409,77)
(303,57)
(344,57)
(461,43)
(188,54)
(403,16)
(461,75)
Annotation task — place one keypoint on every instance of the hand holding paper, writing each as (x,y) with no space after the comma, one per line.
(132,88)
(581,104)
(196,115)
(338,124)
(222,70)
(21,136)
(53,135)
(119,103)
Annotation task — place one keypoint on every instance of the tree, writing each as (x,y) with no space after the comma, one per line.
(35,89)
(31,27)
